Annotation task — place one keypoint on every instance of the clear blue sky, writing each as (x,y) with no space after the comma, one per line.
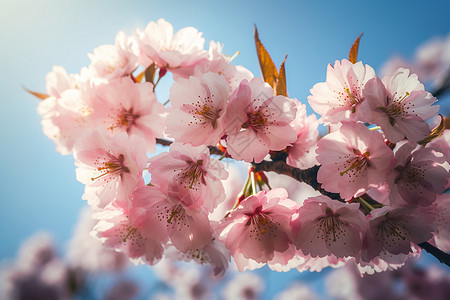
(38,190)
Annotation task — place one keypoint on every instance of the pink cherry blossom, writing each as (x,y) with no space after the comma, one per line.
(395,231)
(221,64)
(122,105)
(326,227)
(110,167)
(400,106)
(302,153)
(441,236)
(353,160)
(58,81)
(417,177)
(191,172)
(340,96)
(198,108)
(258,121)
(65,119)
(127,230)
(259,226)
(187,229)
(113,61)
(158,44)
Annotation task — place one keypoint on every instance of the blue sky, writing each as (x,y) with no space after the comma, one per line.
(38,190)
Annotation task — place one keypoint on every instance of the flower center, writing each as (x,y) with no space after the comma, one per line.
(358,163)
(256,120)
(125,119)
(114,166)
(193,173)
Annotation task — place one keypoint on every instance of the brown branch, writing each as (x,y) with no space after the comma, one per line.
(440,255)
(309,176)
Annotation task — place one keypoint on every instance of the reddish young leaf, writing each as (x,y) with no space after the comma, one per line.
(281,83)
(353,55)
(268,68)
(36,94)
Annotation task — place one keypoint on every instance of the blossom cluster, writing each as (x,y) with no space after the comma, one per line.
(381,157)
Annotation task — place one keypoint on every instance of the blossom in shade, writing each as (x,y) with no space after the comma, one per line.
(158,44)
(257,121)
(125,106)
(353,160)
(400,106)
(113,61)
(417,176)
(302,153)
(191,172)
(328,227)
(259,226)
(441,236)
(110,166)
(395,231)
(340,97)
(187,229)
(198,107)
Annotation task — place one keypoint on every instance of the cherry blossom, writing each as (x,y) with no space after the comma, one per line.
(187,229)
(353,160)
(441,236)
(340,97)
(110,167)
(158,44)
(245,286)
(122,105)
(395,231)
(199,105)
(191,171)
(259,226)
(326,227)
(258,122)
(400,106)
(417,176)
(302,153)
(113,61)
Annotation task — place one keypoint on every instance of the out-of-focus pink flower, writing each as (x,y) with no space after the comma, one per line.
(400,106)
(124,106)
(191,172)
(417,177)
(257,121)
(244,286)
(394,231)
(353,160)
(259,226)
(158,44)
(113,61)
(88,253)
(123,290)
(325,227)
(109,166)
(58,81)
(339,98)
(198,108)
(298,291)
(302,153)
(433,60)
